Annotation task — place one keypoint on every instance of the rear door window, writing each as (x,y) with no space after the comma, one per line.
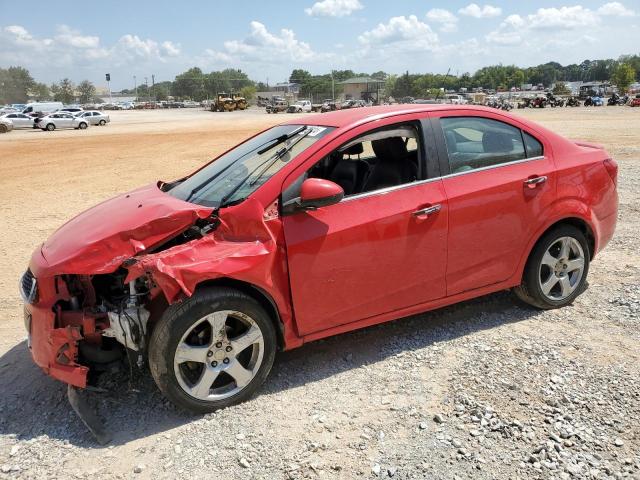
(477,142)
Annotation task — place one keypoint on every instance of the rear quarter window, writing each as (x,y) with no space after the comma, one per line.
(532,145)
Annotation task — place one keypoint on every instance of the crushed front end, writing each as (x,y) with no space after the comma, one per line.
(83,323)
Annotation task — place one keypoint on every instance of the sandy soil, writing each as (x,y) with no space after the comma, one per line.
(48,177)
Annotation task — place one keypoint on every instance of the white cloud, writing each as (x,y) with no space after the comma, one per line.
(476,11)
(447,20)
(615,9)
(73,38)
(261,45)
(563,18)
(334,8)
(407,30)
(547,26)
(69,49)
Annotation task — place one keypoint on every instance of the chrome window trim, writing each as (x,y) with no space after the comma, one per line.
(490,167)
(383,191)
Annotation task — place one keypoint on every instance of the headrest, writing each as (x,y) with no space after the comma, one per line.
(390,149)
(355,149)
(496,142)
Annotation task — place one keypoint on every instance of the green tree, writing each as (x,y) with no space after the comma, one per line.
(560,88)
(86,91)
(623,76)
(190,84)
(40,92)
(64,91)
(248,92)
(299,76)
(15,83)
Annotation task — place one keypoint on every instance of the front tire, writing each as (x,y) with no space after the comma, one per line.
(50,127)
(556,272)
(102,123)
(82,126)
(212,350)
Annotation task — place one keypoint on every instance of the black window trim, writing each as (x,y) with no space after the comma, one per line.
(443,154)
(424,137)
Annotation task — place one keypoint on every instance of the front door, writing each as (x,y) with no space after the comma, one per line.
(382,248)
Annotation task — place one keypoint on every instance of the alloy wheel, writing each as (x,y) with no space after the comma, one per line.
(561,268)
(219,355)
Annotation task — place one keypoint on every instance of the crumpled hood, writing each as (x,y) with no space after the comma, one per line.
(98,240)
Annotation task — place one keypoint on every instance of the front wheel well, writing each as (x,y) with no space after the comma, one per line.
(257,294)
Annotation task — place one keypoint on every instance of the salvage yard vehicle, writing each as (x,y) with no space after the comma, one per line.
(19,120)
(224,103)
(318,226)
(94,117)
(240,101)
(60,120)
(277,106)
(300,106)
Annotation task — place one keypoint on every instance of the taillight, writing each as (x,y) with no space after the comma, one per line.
(612,170)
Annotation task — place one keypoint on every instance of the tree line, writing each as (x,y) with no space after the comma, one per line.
(17,85)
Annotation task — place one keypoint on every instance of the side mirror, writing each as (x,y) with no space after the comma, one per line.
(315,193)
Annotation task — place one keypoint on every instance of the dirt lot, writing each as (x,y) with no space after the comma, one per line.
(486,389)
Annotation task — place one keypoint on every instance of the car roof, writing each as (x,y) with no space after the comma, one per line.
(355,116)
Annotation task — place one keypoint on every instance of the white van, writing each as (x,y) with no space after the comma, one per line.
(43,107)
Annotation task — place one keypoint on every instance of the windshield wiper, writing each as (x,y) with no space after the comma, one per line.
(282,138)
(269,145)
(266,165)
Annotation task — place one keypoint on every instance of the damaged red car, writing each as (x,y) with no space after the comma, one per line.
(312,228)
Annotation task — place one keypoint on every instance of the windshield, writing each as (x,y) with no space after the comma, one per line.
(238,173)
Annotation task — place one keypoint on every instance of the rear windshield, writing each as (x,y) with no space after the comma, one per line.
(235,175)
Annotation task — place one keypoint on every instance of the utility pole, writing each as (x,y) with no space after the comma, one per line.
(135,86)
(146,82)
(333,87)
(153,86)
(108,78)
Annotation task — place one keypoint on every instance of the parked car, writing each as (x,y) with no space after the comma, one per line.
(94,117)
(6,125)
(352,104)
(19,120)
(354,218)
(300,106)
(277,106)
(42,107)
(61,120)
(71,109)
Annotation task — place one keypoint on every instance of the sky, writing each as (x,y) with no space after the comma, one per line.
(85,40)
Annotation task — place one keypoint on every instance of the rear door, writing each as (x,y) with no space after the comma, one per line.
(372,253)
(499,179)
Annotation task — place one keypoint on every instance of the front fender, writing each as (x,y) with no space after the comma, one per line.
(243,248)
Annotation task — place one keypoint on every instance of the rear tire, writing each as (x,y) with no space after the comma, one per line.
(557,268)
(82,126)
(209,328)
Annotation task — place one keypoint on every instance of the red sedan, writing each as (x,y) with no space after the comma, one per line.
(310,229)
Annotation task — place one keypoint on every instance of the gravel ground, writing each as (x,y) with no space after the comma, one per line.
(484,389)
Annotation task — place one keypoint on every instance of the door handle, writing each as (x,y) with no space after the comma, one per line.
(427,211)
(533,181)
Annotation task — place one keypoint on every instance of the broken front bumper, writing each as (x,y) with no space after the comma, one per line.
(54,347)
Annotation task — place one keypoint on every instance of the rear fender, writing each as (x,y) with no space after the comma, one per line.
(558,211)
